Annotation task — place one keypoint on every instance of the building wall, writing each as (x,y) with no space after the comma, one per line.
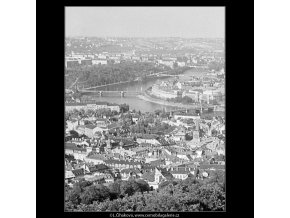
(186,117)
(95,161)
(193,95)
(164,94)
(180,176)
(80,156)
(72,125)
(99,62)
(92,107)
(181,64)
(71,63)
(89,132)
(86,62)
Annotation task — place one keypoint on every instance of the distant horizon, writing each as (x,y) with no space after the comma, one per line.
(145,22)
(149,37)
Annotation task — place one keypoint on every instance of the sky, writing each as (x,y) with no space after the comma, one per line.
(187,22)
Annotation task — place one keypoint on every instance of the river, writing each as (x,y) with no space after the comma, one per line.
(139,86)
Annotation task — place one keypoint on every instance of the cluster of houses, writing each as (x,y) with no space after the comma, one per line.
(75,58)
(207,89)
(103,157)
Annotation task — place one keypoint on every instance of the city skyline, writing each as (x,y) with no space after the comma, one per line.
(146,22)
(145,109)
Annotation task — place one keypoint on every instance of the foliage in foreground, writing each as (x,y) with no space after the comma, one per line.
(181,196)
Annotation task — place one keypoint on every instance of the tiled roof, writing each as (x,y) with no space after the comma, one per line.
(127,142)
(147,166)
(139,149)
(149,176)
(212,166)
(78,165)
(68,167)
(127,171)
(72,120)
(95,178)
(90,164)
(101,103)
(72,146)
(97,157)
(100,177)
(74,104)
(78,172)
(101,167)
(113,125)
(157,162)
(90,126)
(189,157)
(101,119)
(81,127)
(166,174)
(149,136)
(181,170)
(92,168)
(122,162)
(69,174)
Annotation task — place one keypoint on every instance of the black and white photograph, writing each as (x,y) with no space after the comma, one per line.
(145,122)
(121,110)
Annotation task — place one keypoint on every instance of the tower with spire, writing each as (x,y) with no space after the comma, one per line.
(196,132)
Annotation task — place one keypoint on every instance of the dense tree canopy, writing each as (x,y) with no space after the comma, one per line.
(104,74)
(89,76)
(187,195)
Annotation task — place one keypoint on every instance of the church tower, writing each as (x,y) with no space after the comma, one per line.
(109,146)
(196,132)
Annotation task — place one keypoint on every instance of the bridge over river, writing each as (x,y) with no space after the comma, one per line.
(110,93)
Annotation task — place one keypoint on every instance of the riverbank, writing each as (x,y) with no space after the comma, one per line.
(146,97)
(143,103)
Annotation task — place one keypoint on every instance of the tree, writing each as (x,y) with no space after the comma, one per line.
(74,133)
(128,188)
(82,184)
(188,137)
(95,193)
(211,197)
(73,196)
(144,186)
(187,195)
(114,189)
